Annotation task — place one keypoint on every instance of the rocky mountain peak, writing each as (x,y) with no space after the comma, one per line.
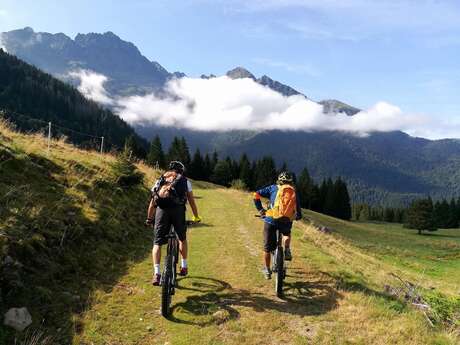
(239,73)
(277,86)
(335,106)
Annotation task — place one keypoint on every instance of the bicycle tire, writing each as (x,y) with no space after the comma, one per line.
(167,282)
(279,278)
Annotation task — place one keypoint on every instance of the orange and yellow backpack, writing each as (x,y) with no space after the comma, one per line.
(285,205)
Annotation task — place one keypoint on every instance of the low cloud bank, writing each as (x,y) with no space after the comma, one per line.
(221,104)
(92,86)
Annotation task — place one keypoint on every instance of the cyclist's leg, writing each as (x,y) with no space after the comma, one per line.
(180,226)
(161,230)
(286,231)
(269,242)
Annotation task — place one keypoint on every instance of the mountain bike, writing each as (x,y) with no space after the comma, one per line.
(278,265)
(169,277)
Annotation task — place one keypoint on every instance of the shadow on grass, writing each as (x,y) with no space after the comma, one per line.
(61,251)
(346,281)
(216,302)
(434,235)
(199,225)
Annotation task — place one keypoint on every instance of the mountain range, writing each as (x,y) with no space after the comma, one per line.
(381,168)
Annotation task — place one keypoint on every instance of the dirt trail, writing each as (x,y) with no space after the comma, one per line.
(226,300)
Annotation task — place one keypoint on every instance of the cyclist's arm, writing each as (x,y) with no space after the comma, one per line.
(264,192)
(191,201)
(258,202)
(151,209)
(152,206)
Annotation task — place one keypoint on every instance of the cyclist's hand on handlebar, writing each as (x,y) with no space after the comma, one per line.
(196,219)
(149,222)
(262,212)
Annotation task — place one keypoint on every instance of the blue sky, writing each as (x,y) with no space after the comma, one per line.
(403,52)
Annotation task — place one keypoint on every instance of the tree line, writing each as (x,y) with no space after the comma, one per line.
(330,197)
(365,212)
(30,98)
(422,214)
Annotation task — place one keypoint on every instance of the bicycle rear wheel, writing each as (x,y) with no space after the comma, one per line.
(279,278)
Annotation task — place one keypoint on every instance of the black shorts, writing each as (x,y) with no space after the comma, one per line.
(270,234)
(164,219)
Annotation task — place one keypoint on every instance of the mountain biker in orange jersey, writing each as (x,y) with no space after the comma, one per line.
(170,194)
(274,221)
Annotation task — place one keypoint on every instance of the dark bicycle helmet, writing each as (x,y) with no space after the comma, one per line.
(177,167)
(285,178)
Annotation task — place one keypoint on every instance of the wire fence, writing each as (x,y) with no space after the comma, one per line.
(50,129)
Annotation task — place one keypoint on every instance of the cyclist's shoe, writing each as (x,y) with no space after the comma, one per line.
(183,271)
(267,273)
(156,280)
(287,254)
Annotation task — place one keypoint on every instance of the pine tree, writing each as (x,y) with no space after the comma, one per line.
(184,152)
(452,220)
(441,214)
(330,199)
(343,203)
(222,173)
(245,171)
(265,172)
(420,216)
(132,147)
(207,170)
(315,198)
(214,160)
(174,153)
(156,155)
(388,215)
(197,167)
(323,189)
(304,188)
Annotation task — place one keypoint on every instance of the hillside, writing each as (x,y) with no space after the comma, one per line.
(66,229)
(381,169)
(79,260)
(31,98)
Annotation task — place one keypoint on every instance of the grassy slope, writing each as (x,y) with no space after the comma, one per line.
(433,258)
(333,292)
(66,226)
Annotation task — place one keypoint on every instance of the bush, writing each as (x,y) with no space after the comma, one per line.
(444,309)
(126,173)
(238,184)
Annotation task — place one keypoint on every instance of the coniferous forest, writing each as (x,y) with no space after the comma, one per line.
(30,98)
(330,197)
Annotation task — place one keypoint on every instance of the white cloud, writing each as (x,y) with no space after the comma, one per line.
(92,86)
(221,104)
(225,104)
